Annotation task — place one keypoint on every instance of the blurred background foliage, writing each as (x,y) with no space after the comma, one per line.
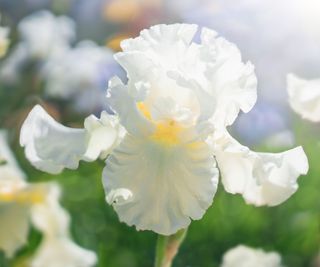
(292,228)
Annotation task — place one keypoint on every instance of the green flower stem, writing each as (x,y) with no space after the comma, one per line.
(167,248)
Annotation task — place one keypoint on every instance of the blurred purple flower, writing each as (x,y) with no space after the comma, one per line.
(262,123)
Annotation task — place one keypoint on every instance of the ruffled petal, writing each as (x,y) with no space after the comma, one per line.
(209,79)
(161,40)
(243,256)
(232,82)
(262,178)
(149,58)
(160,188)
(51,147)
(304,97)
(220,81)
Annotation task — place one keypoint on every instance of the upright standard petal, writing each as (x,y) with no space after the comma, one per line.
(243,256)
(261,178)
(150,57)
(124,103)
(51,147)
(232,82)
(214,70)
(209,77)
(304,97)
(160,187)
(163,43)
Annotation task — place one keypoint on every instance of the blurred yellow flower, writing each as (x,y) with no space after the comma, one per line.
(115,40)
(121,11)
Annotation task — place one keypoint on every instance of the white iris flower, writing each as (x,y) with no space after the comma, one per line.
(168,131)
(243,256)
(304,97)
(43,34)
(21,202)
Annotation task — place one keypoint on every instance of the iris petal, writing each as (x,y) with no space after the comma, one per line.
(51,147)
(262,178)
(163,187)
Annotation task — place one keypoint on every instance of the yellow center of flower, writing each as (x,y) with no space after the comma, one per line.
(166,132)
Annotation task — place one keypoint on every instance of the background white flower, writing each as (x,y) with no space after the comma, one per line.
(57,249)
(43,35)
(14,215)
(62,252)
(79,74)
(243,256)
(304,97)
(22,202)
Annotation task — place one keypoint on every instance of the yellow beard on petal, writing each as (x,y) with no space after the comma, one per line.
(144,110)
(167,132)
